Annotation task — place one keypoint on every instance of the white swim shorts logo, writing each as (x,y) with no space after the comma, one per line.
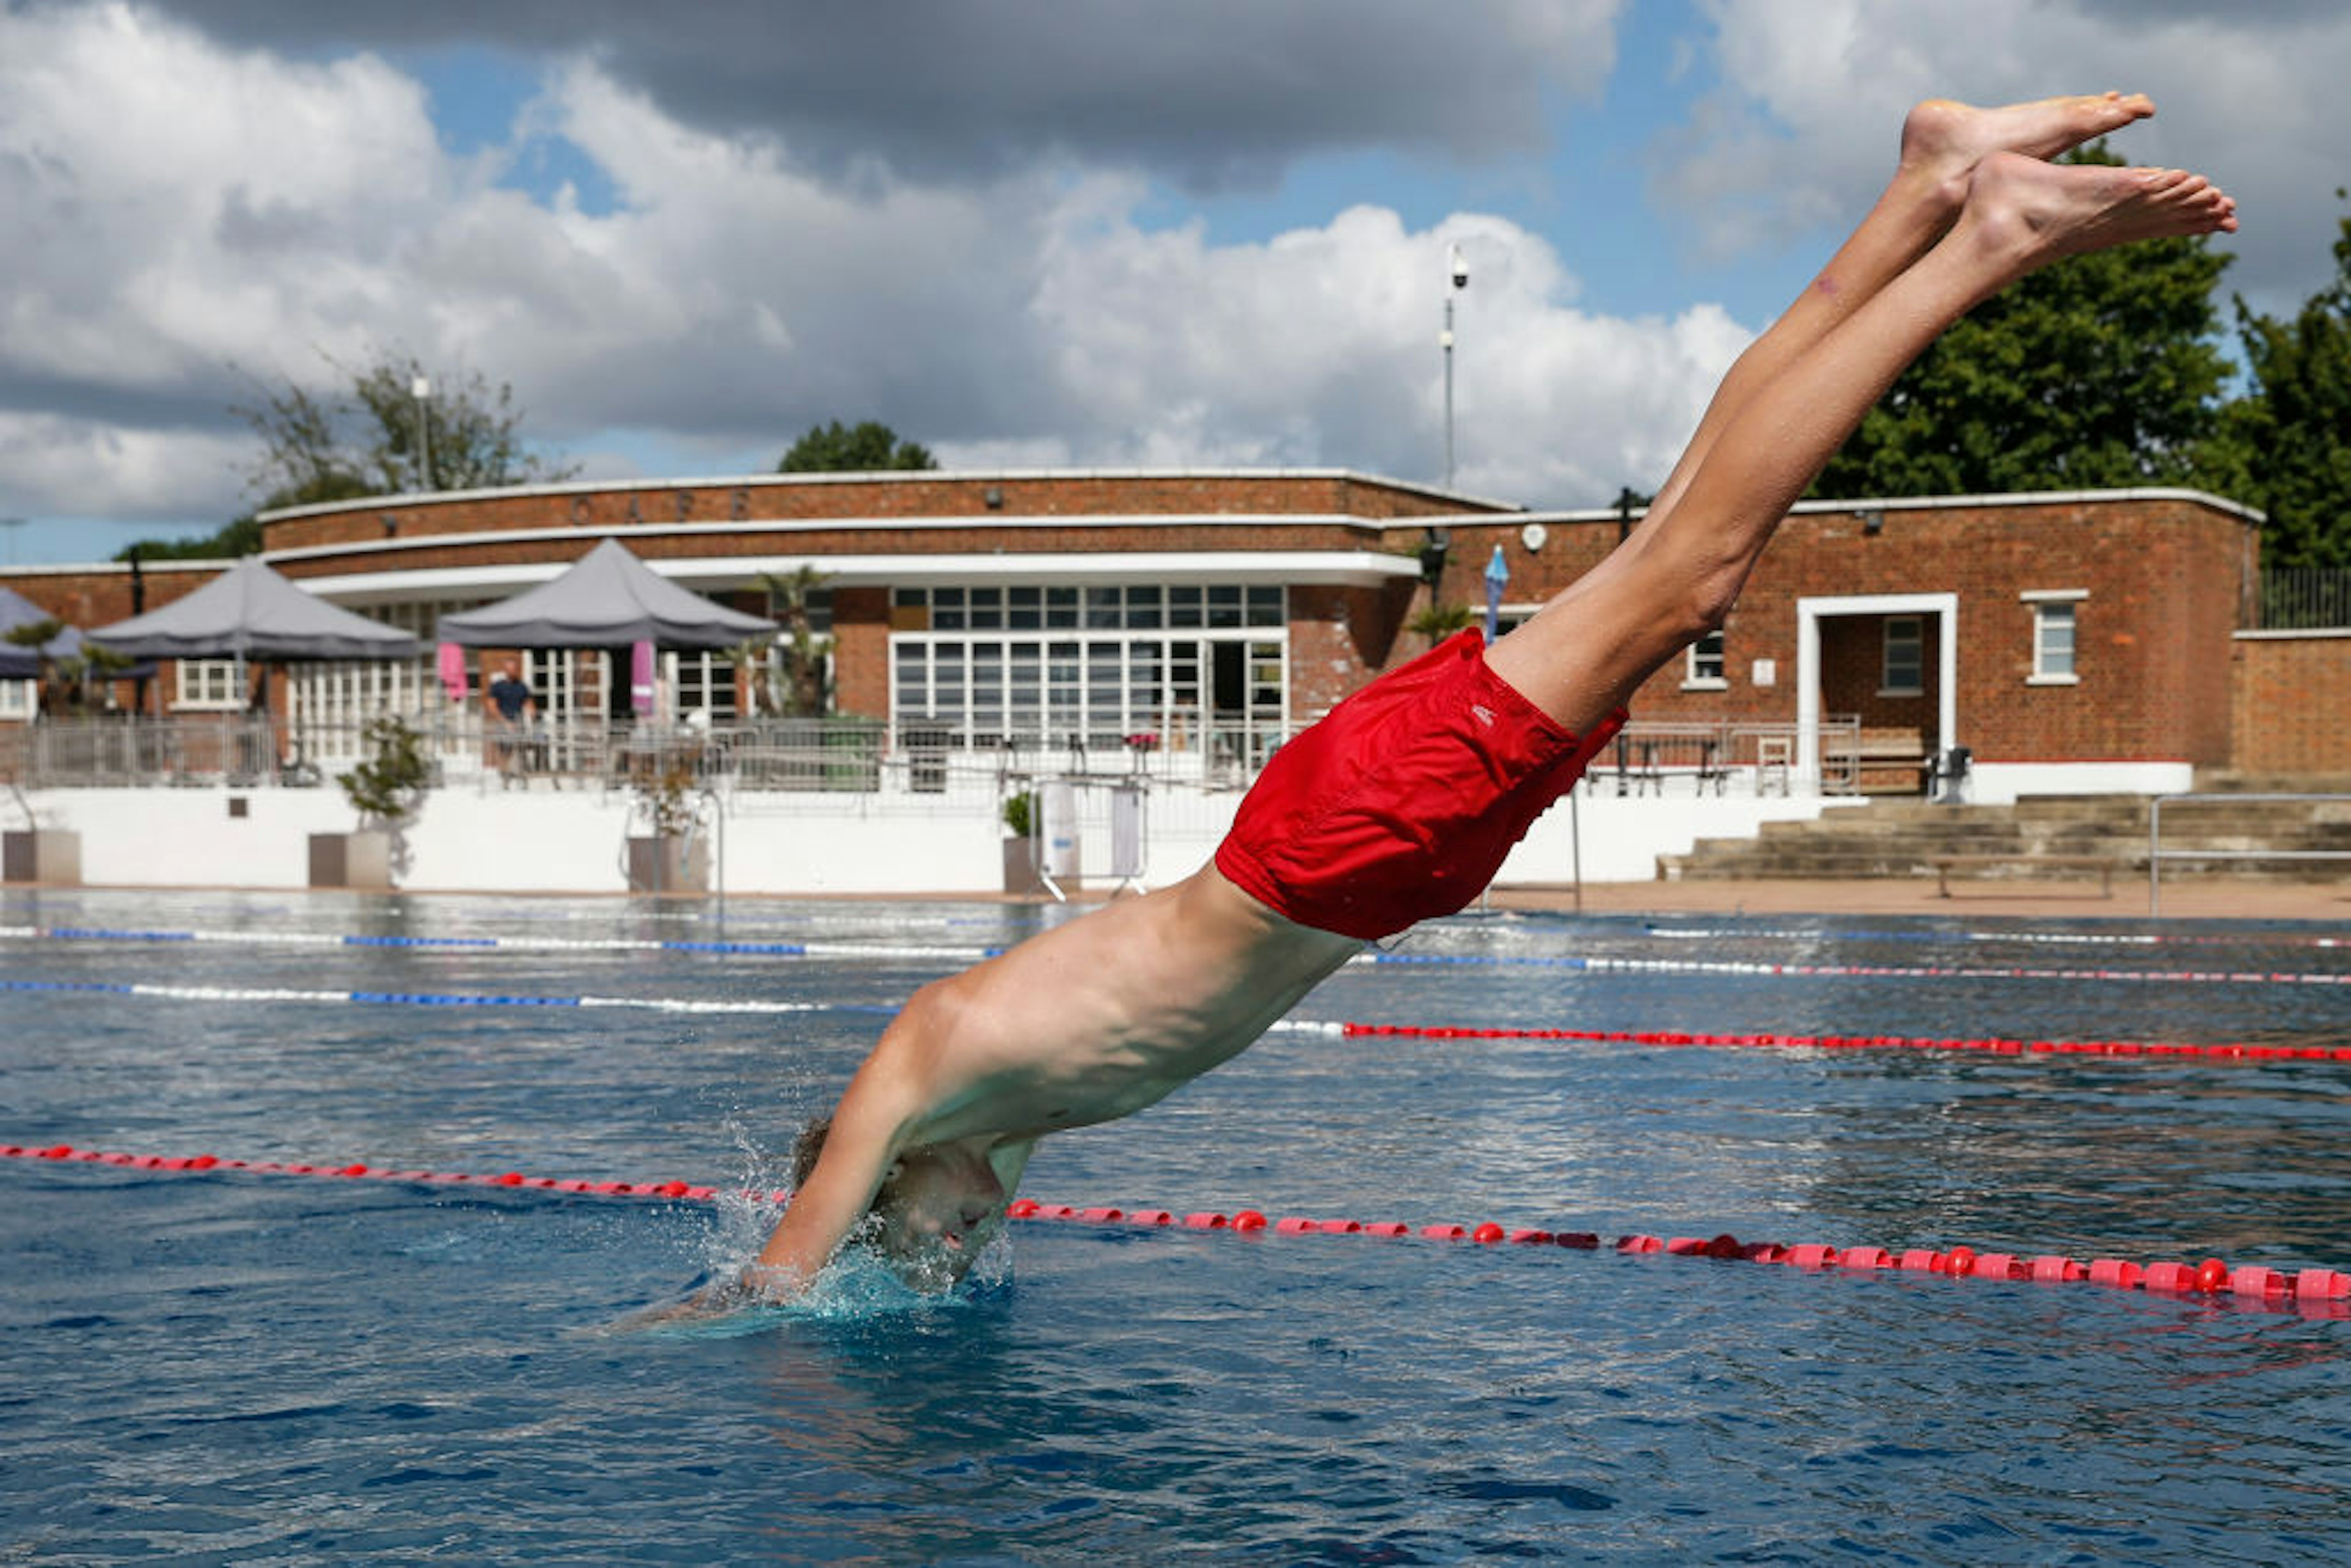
(1483,714)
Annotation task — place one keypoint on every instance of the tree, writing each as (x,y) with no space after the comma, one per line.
(804,653)
(240,537)
(2100,371)
(871,447)
(2286,446)
(380,439)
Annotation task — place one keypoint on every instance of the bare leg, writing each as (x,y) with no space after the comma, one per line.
(1942,143)
(1678,576)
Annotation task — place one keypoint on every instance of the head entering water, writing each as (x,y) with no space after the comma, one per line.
(937,1210)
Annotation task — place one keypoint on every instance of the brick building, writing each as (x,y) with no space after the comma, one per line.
(2071,642)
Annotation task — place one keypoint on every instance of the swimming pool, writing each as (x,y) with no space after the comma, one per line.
(225,1367)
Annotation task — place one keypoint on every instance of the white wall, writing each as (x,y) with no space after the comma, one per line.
(572,841)
(2002,783)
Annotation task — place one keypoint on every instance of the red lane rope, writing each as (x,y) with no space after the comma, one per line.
(2312,1293)
(2233,1053)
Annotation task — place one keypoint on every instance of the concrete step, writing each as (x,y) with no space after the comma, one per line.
(1906,838)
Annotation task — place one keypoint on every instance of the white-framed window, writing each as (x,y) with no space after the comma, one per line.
(16,700)
(209,684)
(2055,627)
(1704,669)
(1187,667)
(701,681)
(1903,671)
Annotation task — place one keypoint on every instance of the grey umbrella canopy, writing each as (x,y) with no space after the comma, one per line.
(18,663)
(251,612)
(608,598)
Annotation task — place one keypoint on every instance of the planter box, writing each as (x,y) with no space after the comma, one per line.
(669,865)
(51,855)
(358,860)
(1021,868)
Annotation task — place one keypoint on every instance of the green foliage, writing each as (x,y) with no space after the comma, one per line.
(2286,446)
(805,694)
(1439,622)
(666,798)
(386,785)
(241,537)
(871,447)
(1020,814)
(376,438)
(2100,371)
(33,633)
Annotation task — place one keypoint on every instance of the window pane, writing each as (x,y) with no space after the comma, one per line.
(1142,607)
(1102,609)
(2055,640)
(1265,606)
(1904,665)
(1024,608)
(1184,606)
(1224,604)
(987,609)
(1060,607)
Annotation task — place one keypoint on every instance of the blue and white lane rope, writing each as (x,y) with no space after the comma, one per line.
(866,950)
(425,998)
(1568,963)
(2231,1051)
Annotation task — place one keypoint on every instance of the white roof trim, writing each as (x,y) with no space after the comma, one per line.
(1366,568)
(889,477)
(571,533)
(1927,504)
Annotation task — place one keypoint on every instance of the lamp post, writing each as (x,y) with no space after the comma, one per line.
(1457,276)
(423,389)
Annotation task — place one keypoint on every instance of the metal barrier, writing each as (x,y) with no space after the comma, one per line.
(2157,855)
(831,755)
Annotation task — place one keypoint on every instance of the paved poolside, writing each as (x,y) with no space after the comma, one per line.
(2228,898)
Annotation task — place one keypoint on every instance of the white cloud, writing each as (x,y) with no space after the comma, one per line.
(1803,130)
(185,207)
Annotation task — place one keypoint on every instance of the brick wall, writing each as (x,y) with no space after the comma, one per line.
(2162,576)
(2293,702)
(804,498)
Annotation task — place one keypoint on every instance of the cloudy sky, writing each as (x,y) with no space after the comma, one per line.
(1024,232)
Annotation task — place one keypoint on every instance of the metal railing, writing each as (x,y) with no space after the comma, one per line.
(2304,599)
(1654,756)
(800,757)
(2157,855)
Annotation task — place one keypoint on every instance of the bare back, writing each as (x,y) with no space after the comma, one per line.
(1090,1021)
(1110,1012)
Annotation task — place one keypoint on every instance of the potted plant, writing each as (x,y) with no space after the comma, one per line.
(385,788)
(672,857)
(1020,847)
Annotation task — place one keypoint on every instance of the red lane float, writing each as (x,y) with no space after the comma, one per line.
(2313,1292)
(1999,1047)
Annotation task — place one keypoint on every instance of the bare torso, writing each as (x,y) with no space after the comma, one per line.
(1109,1013)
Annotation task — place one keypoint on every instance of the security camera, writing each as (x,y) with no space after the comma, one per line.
(1460,269)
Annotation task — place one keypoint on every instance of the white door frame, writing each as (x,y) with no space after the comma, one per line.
(1809,614)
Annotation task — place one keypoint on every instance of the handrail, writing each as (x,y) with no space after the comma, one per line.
(2157,855)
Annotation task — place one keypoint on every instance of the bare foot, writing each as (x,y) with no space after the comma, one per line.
(2031,212)
(1945,139)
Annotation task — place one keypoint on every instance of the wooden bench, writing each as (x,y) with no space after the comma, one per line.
(1946,864)
(1896,749)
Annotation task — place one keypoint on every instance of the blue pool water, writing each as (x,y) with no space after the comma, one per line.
(225,1367)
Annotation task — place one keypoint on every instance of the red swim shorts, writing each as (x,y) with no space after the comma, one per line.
(1401,804)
